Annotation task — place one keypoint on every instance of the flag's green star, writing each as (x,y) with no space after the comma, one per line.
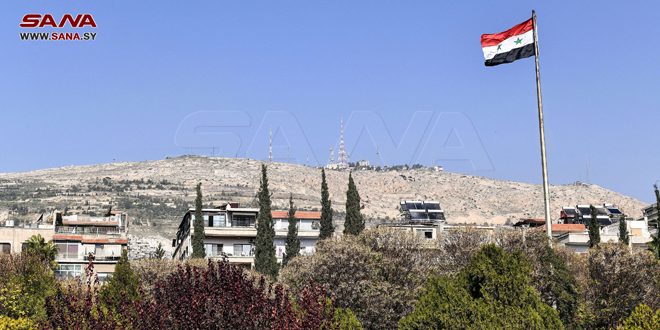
(499,47)
(518,41)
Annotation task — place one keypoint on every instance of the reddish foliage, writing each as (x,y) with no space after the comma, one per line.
(220,296)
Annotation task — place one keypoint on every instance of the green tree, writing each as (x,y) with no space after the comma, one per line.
(558,286)
(654,245)
(198,227)
(123,286)
(292,241)
(492,292)
(642,318)
(623,231)
(265,260)
(159,253)
(354,224)
(26,281)
(594,228)
(327,227)
(45,251)
(345,319)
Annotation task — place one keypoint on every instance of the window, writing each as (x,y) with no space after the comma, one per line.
(213,250)
(67,271)
(99,251)
(68,250)
(103,277)
(217,220)
(24,246)
(242,250)
(426,233)
(5,248)
(240,220)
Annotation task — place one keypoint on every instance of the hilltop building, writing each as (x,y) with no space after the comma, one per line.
(231,231)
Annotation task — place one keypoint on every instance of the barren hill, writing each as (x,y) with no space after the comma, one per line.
(156,193)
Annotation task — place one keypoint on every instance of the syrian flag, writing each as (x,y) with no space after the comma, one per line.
(510,45)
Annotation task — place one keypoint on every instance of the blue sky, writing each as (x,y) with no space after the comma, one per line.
(166,78)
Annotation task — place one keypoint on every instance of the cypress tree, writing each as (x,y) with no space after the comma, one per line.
(123,286)
(292,240)
(198,227)
(655,242)
(327,228)
(265,260)
(354,224)
(594,228)
(159,253)
(623,231)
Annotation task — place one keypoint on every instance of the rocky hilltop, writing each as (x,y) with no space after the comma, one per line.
(156,193)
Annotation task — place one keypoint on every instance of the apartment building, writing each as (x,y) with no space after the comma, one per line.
(230,232)
(76,237)
(80,236)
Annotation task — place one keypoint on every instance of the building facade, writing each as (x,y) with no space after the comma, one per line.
(80,236)
(76,237)
(231,230)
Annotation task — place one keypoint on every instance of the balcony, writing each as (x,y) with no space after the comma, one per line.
(97,231)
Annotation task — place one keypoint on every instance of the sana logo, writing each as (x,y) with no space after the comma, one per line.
(67,20)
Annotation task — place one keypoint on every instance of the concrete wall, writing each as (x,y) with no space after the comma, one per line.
(16,236)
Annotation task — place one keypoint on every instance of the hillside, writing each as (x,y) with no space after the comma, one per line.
(156,193)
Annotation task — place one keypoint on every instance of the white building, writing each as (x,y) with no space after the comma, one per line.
(230,232)
(638,233)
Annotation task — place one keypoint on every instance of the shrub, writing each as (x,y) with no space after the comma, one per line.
(493,291)
(22,323)
(221,295)
(618,281)
(376,275)
(25,282)
(642,318)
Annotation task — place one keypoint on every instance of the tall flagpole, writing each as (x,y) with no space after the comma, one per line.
(544,163)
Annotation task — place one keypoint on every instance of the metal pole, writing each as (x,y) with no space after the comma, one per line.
(544,164)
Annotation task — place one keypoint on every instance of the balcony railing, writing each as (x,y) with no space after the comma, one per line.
(112,231)
(81,257)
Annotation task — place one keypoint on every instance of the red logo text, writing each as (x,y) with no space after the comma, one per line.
(67,20)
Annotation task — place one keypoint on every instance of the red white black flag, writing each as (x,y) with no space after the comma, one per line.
(510,45)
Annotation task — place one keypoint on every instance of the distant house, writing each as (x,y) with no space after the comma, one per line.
(230,232)
(577,238)
(422,218)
